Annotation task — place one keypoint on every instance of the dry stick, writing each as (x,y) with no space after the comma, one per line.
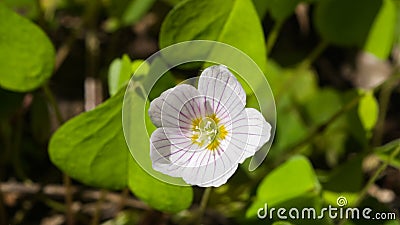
(55,191)
(93,92)
(3,215)
(96,216)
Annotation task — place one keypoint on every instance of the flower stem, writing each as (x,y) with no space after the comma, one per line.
(273,35)
(372,180)
(203,203)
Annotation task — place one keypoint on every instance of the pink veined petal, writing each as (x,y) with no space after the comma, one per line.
(181,106)
(223,90)
(169,157)
(214,170)
(250,131)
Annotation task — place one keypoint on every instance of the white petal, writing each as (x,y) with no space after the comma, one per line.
(250,131)
(155,108)
(171,154)
(223,90)
(182,105)
(215,172)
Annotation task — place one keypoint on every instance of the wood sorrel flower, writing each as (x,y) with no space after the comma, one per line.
(204,133)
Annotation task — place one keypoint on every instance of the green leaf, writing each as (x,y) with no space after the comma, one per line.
(344,22)
(135,11)
(280,10)
(92,149)
(381,37)
(368,110)
(119,73)
(347,177)
(27,8)
(323,105)
(234,22)
(87,146)
(293,179)
(26,56)
(161,196)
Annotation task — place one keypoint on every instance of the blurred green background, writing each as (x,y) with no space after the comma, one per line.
(333,66)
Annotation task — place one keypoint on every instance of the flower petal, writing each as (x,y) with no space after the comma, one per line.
(182,105)
(155,108)
(200,167)
(250,131)
(223,90)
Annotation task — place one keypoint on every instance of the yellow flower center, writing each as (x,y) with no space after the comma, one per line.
(207,132)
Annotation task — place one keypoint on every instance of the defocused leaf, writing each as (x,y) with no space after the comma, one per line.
(368,110)
(281,223)
(233,22)
(344,22)
(293,179)
(135,10)
(383,152)
(280,10)
(91,148)
(323,105)
(347,177)
(331,198)
(119,73)
(26,8)
(381,37)
(291,128)
(26,56)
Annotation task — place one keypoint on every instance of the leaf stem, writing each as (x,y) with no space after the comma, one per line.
(384,98)
(273,35)
(52,101)
(306,63)
(203,203)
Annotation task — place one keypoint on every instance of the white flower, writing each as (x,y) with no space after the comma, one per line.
(204,133)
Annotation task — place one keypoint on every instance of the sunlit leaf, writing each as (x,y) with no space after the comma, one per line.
(87,146)
(381,37)
(162,196)
(136,10)
(91,148)
(293,179)
(233,22)
(368,110)
(26,56)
